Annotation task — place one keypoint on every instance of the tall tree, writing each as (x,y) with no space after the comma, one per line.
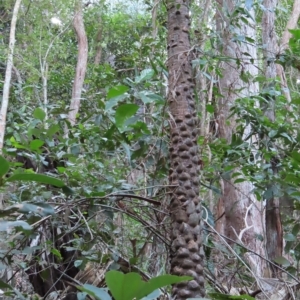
(274,232)
(185,205)
(81,62)
(9,67)
(243,213)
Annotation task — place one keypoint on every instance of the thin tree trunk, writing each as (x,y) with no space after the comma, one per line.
(284,44)
(186,257)
(9,67)
(274,233)
(81,63)
(243,214)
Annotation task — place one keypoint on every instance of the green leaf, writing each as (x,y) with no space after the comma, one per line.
(36,144)
(210,108)
(123,113)
(116,94)
(124,286)
(282,261)
(153,296)
(145,75)
(96,292)
(8,225)
(117,91)
(81,296)
(37,178)
(4,166)
(39,114)
(159,282)
(43,209)
(296,155)
(290,237)
(4,285)
(56,253)
(149,97)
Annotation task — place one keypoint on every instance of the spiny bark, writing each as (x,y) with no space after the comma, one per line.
(185,205)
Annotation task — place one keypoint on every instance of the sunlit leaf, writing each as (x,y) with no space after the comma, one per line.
(36,144)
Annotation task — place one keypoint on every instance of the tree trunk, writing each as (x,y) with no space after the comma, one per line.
(243,214)
(274,233)
(9,67)
(186,257)
(81,62)
(284,44)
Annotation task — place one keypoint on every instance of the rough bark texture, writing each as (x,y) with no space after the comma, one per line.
(274,233)
(81,63)
(185,205)
(243,219)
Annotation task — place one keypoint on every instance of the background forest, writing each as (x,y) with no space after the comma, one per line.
(146,141)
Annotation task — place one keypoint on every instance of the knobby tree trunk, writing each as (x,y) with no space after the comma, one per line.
(243,214)
(186,257)
(9,67)
(81,62)
(274,233)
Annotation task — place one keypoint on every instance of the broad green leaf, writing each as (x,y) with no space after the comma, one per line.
(153,296)
(37,178)
(295,33)
(81,296)
(116,94)
(123,113)
(149,97)
(4,285)
(98,293)
(296,228)
(39,114)
(8,225)
(4,166)
(145,75)
(117,91)
(36,144)
(78,263)
(290,237)
(42,209)
(296,155)
(272,133)
(124,286)
(210,108)
(159,282)
(282,261)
